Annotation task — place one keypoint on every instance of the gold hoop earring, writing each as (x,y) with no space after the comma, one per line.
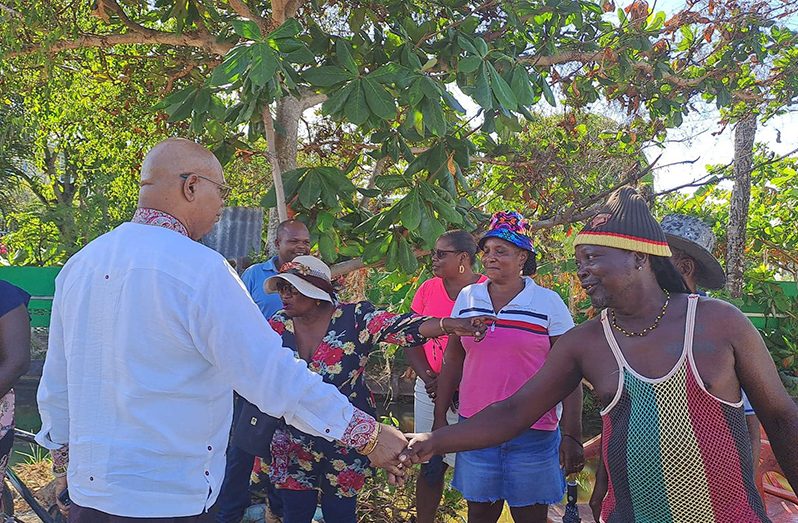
(462,269)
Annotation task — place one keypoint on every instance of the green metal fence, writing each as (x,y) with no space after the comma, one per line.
(39,282)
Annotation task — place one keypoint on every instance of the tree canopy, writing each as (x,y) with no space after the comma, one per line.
(392,78)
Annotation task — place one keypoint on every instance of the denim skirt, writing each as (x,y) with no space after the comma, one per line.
(523,471)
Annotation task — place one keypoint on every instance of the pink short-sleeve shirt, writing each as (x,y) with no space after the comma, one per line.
(514,349)
(431,299)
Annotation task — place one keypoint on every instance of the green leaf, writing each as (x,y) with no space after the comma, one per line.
(429,228)
(390,182)
(547,94)
(263,64)
(326,76)
(392,256)
(469,64)
(414,94)
(310,190)
(380,102)
(482,94)
(407,259)
(247,29)
(356,108)
(324,221)
(288,29)
(522,87)
(434,119)
(466,44)
(327,247)
(369,193)
(233,65)
(452,102)
(303,55)
(430,88)
(411,211)
(203,101)
(388,73)
(290,180)
(182,110)
(335,103)
(344,55)
(501,89)
(482,47)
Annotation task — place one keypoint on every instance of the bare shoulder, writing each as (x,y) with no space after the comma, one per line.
(720,310)
(581,337)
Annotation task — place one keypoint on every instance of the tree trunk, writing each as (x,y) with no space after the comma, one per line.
(744,134)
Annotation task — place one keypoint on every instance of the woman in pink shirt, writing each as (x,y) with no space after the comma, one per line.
(525,472)
(452,261)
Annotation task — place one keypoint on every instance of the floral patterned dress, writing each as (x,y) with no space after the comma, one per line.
(303,462)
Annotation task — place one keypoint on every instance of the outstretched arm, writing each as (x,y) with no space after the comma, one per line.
(506,419)
(448,381)
(760,380)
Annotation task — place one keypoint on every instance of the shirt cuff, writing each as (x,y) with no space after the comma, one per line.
(359,431)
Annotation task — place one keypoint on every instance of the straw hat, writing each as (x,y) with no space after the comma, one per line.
(308,274)
(695,238)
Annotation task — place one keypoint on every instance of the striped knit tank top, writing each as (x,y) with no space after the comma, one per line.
(675,453)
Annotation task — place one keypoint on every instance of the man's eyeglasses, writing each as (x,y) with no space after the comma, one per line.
(441,253)
(224,189)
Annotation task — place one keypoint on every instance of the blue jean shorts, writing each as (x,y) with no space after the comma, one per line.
(523,471)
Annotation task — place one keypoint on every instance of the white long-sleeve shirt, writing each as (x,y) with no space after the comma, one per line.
(150,334)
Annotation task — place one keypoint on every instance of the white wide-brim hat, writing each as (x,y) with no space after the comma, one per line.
(293,272)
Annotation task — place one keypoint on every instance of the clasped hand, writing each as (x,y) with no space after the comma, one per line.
(476,326)
(396,454)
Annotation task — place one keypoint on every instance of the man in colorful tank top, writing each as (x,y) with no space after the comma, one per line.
(668,368)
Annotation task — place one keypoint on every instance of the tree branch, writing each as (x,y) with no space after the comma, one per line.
(145,37)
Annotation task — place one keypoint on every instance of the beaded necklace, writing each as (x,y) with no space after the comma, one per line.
(632,334)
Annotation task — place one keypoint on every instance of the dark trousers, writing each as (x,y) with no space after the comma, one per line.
(300,505)
(78,514)
(234,496)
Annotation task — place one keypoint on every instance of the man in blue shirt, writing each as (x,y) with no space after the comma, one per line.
(293,239)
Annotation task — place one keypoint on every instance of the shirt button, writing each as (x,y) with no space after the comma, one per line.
(106,276)
(210,448)
(91,478)
(207,473)
(327,431)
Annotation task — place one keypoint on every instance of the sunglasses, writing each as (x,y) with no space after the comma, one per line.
(441,253)
(286,289)
(224,189)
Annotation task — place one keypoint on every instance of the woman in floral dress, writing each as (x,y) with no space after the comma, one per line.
(335,339)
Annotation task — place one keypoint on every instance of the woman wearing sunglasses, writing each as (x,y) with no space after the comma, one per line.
(452,266)
(525,472)
(335,340)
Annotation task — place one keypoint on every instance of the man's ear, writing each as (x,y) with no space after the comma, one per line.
(687,266)
(641,259)
(190,187)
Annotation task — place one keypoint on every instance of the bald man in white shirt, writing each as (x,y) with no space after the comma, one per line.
(150,333)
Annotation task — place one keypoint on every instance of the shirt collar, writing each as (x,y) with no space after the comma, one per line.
(521,300)
(158,218)
(271,264)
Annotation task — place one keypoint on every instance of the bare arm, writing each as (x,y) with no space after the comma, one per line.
(449,379)
(418,361)
(504,420)
(760,380)
(14,347)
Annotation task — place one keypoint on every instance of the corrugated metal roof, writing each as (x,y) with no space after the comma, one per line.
(237,233)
